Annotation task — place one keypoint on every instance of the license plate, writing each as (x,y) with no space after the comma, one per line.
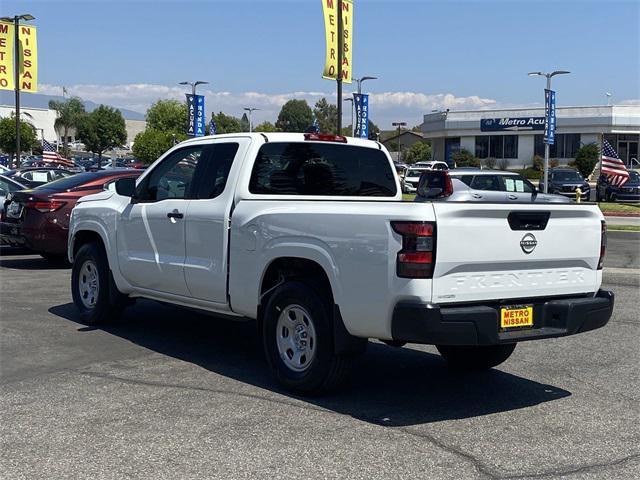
(516,316)
(14,210)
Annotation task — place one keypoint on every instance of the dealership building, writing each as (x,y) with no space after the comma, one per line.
(517,134)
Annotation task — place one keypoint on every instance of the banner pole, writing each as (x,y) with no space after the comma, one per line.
(16,73)
(339,69)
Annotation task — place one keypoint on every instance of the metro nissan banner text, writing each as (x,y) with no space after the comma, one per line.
(28,61)
(329,8)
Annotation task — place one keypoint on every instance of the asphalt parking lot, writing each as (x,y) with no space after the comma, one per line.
(171,394)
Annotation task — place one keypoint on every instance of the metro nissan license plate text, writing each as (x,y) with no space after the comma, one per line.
(516,316)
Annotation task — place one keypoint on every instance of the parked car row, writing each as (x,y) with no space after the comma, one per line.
(38,218)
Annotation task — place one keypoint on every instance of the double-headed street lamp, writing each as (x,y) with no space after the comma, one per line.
(250,110)
(546,145)
(194,85)
(16,71)
(362,79)
(353,106)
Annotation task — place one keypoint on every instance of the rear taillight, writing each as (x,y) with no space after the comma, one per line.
(417,257)
(45,206)
(603,243)
(325,137)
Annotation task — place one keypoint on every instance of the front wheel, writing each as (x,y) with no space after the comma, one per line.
(474,357)
(94,292)
(297,334)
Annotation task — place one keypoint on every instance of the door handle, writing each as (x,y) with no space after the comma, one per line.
(476,195)
(513,197)
(175,214)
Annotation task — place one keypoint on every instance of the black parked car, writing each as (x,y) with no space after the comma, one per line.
(564,181)
(629,192)
(34,177)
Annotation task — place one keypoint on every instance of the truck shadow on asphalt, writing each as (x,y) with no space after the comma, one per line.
(389,386)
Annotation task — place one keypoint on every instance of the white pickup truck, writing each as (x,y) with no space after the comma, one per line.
(307,234)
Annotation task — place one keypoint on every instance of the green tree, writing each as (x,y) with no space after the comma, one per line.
(295,116)
(418,152)
(70,113)
(149,145)
(102,129)
(464,158)
(587,158)
(265,127)
(167,116)
(227,123)
(8,136)
(327,116)
(374,131)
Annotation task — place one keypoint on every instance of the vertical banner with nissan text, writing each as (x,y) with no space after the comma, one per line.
(195,115)
(361,106)
(330,11)
(6,56)
(29,59)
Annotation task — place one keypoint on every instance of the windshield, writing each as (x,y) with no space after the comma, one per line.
(414,172)
(567,176)
(634,176)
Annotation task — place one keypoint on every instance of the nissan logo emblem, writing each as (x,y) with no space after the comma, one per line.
(528,243)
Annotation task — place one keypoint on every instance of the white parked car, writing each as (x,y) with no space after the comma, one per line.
(306,234)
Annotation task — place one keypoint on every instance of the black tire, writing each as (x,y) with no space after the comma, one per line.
(108,301)
(474,358)
(326,370)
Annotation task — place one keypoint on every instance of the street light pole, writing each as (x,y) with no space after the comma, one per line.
(399,125)
(546,145)
(250,110)
(16,72)
(339,69)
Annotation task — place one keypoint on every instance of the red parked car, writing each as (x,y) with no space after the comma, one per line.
(39,218)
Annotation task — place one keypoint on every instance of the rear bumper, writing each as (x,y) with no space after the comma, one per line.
(480,324)
(40,236)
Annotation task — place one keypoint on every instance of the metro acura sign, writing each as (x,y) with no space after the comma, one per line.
(511,124)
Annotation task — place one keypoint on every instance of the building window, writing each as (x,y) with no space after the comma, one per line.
(482,147)
(566,145)
(497,146)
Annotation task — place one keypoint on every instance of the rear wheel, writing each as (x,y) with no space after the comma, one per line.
(298,339)
(480,357)
(92,288)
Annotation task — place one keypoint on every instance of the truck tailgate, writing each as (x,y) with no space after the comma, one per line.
(501,251)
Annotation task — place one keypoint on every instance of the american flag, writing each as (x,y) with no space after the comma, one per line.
(49,154)
(612,167)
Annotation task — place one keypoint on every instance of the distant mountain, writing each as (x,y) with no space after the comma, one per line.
(37,100)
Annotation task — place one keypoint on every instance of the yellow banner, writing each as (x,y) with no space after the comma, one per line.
(6,56)
(330,11)
(29,59)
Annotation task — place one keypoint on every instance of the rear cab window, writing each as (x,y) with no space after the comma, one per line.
(322,169)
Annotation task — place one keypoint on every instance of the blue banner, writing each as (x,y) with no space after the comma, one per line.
(212,126)
(549,117)
(195,115)
(361,106)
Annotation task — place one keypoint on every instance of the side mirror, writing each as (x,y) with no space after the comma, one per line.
(126,186)
(435,184)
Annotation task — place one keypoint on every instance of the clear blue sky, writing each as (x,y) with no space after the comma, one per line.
(275,47)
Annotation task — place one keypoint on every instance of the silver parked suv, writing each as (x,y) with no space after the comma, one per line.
(481,186)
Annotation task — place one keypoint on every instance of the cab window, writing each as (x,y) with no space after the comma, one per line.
(173,177)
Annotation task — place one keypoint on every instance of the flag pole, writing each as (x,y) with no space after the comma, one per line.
(339,69)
